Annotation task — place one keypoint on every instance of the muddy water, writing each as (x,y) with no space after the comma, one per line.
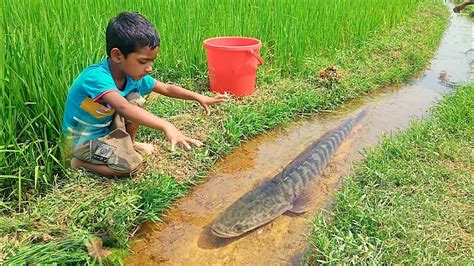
(184,237)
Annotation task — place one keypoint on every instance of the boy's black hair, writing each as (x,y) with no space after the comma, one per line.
(130,32)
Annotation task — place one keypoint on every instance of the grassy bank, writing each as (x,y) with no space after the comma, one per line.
(53,226)
(411,200)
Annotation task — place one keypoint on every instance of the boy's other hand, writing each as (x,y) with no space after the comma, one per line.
(175,137)
(206,101)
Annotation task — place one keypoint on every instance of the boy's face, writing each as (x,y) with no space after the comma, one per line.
(137,64)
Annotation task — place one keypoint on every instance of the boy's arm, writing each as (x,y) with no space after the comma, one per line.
(174,91)
(143,117)
(181,93)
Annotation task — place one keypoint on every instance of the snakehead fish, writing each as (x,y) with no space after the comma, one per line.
(286,190)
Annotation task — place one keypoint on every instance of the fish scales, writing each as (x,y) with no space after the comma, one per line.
(297,180)
(323,157)
(277,195)
(318,162)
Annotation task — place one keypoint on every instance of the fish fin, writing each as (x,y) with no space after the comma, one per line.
(303,202)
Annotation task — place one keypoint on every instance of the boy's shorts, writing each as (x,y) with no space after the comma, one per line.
(115,149)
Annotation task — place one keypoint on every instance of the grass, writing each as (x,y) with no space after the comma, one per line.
(469,10)
(79,206)
(410,201)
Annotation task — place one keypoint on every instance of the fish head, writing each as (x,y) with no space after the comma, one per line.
(225,231)
(239,218)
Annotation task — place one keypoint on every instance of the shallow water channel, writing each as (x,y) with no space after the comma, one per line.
(184,236)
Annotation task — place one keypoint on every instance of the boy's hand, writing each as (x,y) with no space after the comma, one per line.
(175,136)
(206,102)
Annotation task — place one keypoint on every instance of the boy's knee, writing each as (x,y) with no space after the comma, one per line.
(136,99)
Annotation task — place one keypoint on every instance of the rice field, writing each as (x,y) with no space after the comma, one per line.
(48,43)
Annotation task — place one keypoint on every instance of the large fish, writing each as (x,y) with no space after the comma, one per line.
(285,191)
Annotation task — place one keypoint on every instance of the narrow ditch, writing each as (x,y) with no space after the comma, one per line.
(184,237)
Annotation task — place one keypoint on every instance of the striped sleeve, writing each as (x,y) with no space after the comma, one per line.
(98,83)
(146,85)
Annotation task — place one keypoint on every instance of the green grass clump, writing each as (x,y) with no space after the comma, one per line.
(410,201)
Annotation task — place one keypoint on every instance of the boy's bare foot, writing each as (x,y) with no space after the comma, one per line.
(75,163)
(144,148)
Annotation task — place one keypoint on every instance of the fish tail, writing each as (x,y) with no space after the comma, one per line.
(338,135)
(359,116)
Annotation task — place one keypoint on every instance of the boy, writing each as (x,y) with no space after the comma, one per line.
(104,104)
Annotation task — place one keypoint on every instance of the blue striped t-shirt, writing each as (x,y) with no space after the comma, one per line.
(86,116)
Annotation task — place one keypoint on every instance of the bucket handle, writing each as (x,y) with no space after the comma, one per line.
(259,58)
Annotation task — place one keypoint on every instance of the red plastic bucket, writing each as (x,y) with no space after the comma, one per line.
(232,64)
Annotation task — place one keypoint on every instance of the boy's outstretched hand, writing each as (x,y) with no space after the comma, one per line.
(206,101)
(175,137)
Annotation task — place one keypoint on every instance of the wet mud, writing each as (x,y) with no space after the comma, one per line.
(184,237)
